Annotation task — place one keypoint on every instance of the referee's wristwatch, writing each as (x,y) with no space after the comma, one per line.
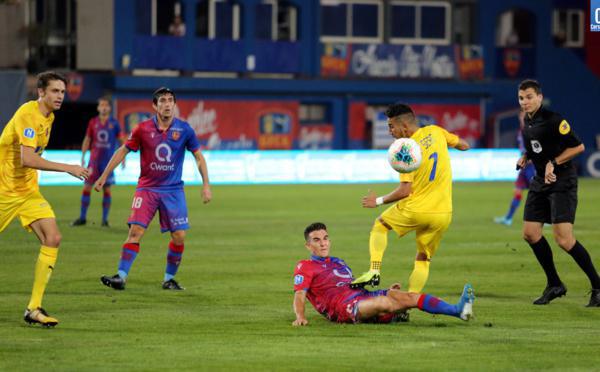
(554,163)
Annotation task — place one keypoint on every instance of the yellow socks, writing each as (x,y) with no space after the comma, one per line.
(43,270)
(419,276)
(377,244)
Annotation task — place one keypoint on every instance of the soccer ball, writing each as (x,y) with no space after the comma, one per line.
(404,155)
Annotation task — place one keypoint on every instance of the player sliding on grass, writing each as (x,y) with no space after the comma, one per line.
(325,281)
(162,141)
(422,201)
(21,145)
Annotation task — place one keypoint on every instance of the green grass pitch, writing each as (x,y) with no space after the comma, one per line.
(236,312)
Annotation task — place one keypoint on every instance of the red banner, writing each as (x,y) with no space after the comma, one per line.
(226,125)
(463,120)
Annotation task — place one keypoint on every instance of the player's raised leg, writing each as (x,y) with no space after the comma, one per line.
(378,240)
(397,301)
(48,233)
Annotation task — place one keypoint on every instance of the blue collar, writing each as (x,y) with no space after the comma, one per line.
(326,259)
(318,258)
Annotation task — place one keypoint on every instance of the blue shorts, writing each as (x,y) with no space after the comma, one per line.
(525,176)
(171,207)
(96,170)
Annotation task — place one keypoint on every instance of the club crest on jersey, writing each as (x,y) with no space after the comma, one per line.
(29,133)
(298,279)
(175,135)
(564,127)
(536,146)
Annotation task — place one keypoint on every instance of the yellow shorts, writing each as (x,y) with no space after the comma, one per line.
(29,208)
(429,227)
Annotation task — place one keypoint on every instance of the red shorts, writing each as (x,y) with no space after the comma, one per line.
(346,310)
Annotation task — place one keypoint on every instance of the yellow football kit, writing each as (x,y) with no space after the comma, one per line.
(19,189)
(427,210)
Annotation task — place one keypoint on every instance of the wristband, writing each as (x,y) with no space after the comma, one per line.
(379,200)
(553,162)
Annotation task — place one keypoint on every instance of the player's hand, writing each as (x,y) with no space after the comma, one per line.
(78,172)
(206,194)
(396,286)
(300,322)
(549,177)
(369,200)
(99,184)
(521,163)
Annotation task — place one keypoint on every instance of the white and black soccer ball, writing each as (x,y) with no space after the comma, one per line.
(404,155)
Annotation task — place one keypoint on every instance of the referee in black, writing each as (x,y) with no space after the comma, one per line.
(550,144)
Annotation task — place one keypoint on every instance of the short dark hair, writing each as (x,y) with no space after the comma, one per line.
(530,83)
(161,92)
(398,109)
(315,226)
(44,78)
(105,98)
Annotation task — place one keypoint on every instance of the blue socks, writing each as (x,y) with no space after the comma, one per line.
(173,260)
(434,305)
(106,200)
(85,203)
(128,255)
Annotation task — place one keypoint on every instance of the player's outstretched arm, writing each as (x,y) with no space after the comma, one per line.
(401,192)
(299,307)
(32,160)
(203,169)
(85,146)
(115,160)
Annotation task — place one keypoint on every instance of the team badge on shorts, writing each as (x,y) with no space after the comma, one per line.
(298,279)
(564,127)
(175,135)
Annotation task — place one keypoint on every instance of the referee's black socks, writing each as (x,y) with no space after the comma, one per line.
(583,259)
(543,253)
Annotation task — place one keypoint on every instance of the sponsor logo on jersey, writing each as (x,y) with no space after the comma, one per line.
(163,153)
(298,279)
(564,127)
(29,132)
(536,146)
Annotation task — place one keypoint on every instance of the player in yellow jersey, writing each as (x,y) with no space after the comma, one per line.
(21,144)
(422,201)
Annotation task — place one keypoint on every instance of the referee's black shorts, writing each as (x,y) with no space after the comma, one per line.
(554,204)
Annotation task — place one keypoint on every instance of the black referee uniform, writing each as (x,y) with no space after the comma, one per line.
(547,135)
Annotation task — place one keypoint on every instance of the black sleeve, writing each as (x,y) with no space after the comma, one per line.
(566,135)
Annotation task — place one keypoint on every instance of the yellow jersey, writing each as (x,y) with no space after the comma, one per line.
(432,181)
(28,127)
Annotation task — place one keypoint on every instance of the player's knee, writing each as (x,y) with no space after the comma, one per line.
(53,239)
(518,194)
(531,236)
(565,242)
(135,234)
(422,256)
(178,237)
(397,300)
